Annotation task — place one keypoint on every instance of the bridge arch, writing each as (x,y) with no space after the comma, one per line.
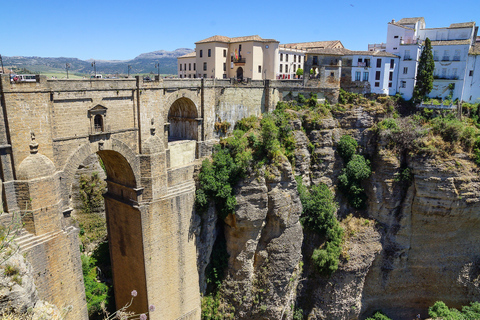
(183,119)
(123,217)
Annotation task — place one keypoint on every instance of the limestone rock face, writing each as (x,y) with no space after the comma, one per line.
(417,242)
(340,295)
(264,240)
(431,241)
(17,288)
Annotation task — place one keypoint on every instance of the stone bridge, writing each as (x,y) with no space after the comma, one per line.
(148,135)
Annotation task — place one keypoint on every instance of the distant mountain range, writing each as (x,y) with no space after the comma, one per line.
(143,64)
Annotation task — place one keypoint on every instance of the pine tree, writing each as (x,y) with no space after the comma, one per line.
(425,69)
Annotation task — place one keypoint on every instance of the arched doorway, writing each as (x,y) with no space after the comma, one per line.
(240,74)
(124,231)
(183,119)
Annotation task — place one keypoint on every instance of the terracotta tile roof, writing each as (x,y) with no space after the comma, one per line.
(235,39)
(449,42)
(410,20)
(251,38)
(315,44)
(188,55)
(346,52)
(216,38)
(462,25)
(373,53)
(328,51)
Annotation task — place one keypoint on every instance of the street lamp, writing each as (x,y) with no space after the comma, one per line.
(67,66)
(1,60)
(157,66)
(94,65)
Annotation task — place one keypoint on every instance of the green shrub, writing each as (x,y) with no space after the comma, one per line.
(440,310)
(379,316)
(216,181)
(318,215)
(91,192)
(472,311)
(246,124)
(270,136)
(10,270)
(347,147)
(356,170)
(95,292)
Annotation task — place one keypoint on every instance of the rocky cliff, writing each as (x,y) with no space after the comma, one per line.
(416,242)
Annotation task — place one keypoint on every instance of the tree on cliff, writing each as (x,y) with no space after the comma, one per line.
(426,65)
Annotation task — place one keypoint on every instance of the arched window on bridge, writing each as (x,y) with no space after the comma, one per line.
(98,123)
(97,117)
(183,119)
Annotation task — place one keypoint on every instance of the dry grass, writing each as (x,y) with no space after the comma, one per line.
(352,227)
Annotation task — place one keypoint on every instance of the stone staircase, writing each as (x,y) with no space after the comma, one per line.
(181,188)
(27,241)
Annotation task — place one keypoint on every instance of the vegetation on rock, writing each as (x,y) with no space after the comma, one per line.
(96,292)
(379,316)
(319,209)
(356,170)
(440,311)
(436,134)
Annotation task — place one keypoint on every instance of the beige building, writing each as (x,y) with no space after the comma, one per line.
(251,57)
(223,57)
(187,66)
(292,56)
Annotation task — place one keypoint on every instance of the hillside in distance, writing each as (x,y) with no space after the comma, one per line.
(142,64)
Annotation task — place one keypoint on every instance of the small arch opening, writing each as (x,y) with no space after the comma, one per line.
(98,123)
(183,119)
(240,74)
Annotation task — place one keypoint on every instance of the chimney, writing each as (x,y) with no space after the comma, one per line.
(393,20)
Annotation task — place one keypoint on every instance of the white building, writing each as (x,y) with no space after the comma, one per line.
(360,71)
(378,68)
(450,46)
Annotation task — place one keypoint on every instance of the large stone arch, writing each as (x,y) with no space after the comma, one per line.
(123,215)
(87,149)
(183,119)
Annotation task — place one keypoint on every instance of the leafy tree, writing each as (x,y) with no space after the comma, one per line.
(426,66)
(346,147)
(319,208)
(379,316)
(96,292)
(299,72)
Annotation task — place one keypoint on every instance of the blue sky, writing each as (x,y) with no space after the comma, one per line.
(106,29)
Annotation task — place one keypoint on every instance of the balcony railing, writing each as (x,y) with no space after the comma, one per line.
(456,58)
(436,58)
(445,58)
(239,60)
(409,41)
(407,58)
(445,77)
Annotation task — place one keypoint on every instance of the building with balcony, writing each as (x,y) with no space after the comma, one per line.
(250,57)
(451,47)
(222,57)
(292,56)
(355,71)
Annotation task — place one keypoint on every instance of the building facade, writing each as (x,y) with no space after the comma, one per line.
(357,71)
(454,51)
(250,57)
